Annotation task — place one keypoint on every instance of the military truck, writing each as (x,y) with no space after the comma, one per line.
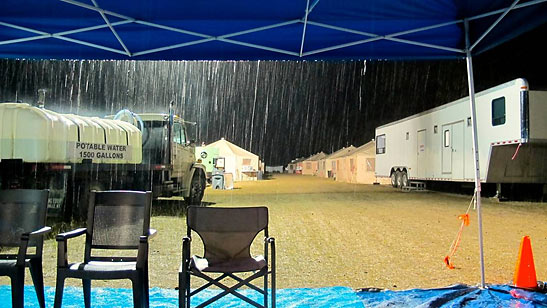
(71,155)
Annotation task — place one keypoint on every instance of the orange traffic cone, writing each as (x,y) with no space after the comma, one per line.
(525,271)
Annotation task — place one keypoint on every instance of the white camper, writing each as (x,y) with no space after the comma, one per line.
(436,145)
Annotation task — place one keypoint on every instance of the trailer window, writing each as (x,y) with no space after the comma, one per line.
(498,111)
(446,138)
(381,144)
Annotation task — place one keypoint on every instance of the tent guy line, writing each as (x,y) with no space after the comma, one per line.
(226,38)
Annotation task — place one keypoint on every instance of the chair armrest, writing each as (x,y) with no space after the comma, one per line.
(142,254)
(70,234)
(35,233)
(62,254)
(271,241)
(23,246)
(152,233)
(186,244)
(186,240)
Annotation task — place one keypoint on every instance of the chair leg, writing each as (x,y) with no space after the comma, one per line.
(37,274)
(182,290)
(86,283)
(273,288)
(146,288)
(138,295)
(266,289)
(18,289)
(59,288)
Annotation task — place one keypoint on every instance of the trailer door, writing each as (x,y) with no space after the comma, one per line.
(447,149)
(457,151)
(453,150)
(422,159)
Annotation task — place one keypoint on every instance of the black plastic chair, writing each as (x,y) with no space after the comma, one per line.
(117,220)
(227,235)
(23,225)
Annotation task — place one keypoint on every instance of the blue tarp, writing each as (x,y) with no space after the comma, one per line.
(456,296)
(257,30)
(340,297)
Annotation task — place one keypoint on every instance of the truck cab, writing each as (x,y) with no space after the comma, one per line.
(168,150)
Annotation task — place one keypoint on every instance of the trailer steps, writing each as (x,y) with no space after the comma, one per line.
(414,186)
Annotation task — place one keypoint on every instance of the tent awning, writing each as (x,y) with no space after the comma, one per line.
(258,30)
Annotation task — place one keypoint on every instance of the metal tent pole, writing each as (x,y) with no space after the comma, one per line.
(475,146)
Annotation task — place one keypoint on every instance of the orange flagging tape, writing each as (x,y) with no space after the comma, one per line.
(465,222)
(464,218)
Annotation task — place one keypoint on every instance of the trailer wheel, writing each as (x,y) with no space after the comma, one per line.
(399,179)
(197,188)
(394,179)
(404,179)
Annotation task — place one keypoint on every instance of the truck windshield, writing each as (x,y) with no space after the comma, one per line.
(154,142)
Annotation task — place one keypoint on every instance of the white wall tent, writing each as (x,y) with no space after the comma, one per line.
(242,164)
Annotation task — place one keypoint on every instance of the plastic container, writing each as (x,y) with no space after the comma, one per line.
(38,135)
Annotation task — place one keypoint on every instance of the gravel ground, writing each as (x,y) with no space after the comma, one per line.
(336,234)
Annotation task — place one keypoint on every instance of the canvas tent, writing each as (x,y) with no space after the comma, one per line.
(262,30)
(329,164)
(295,166)
(291,167)
(359,165)
(310,166)
(242,164)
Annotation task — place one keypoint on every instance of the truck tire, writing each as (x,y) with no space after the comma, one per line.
(197,188)
(394,179)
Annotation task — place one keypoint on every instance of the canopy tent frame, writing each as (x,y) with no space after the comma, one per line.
(227,38)
(201,38)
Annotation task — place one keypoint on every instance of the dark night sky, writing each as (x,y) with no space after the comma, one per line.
(279,110)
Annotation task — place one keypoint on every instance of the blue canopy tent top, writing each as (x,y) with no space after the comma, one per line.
(258,30)
(268,30)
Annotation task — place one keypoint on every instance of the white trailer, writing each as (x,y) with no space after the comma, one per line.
(436,145)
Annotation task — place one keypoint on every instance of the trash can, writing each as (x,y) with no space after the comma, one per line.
(218,181)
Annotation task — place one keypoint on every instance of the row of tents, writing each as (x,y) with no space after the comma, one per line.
(349,164)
